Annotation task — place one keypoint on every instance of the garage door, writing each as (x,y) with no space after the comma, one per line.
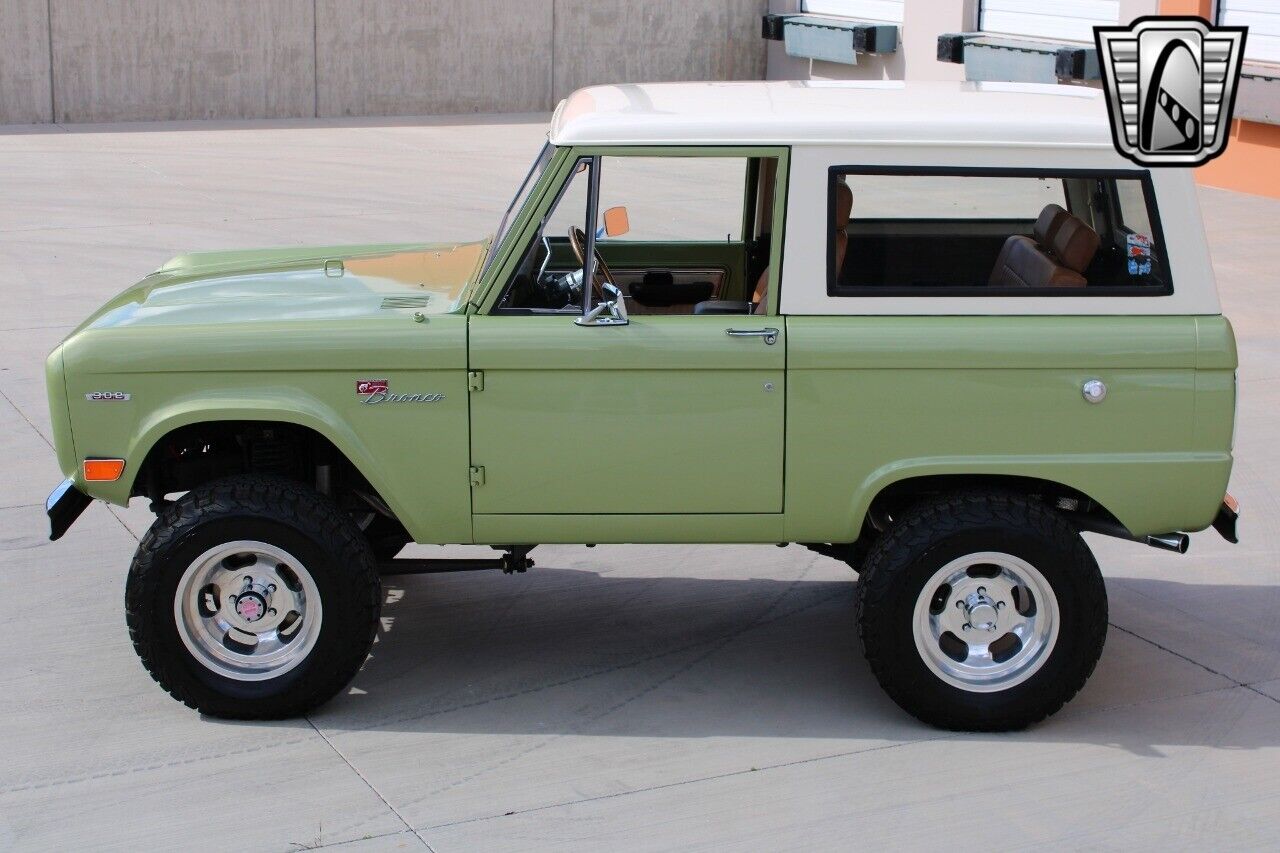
(864,10)
(1262,17)
(1064,20)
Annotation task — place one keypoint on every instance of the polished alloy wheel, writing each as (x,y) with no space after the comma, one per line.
(986,622)
(248,611)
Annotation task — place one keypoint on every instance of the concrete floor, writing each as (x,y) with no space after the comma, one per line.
(618,698)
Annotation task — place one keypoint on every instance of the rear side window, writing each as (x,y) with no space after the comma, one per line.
(952,232)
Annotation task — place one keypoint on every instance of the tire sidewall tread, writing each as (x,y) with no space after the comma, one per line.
(935,532)
(283,513)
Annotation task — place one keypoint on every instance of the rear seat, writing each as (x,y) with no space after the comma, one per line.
(1062,249)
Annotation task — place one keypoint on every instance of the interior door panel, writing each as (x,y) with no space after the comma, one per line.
(632,259)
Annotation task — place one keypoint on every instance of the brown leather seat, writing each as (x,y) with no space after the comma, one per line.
(1062,249)
(844,208)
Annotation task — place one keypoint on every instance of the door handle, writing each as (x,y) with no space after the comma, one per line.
(770,335)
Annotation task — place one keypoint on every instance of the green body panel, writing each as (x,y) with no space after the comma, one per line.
(664,430)
(633,528)
(59,415)
(231,337)
(665,415)
(875,400)
(329,282)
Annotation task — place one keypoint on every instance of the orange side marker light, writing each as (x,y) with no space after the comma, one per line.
(103,470)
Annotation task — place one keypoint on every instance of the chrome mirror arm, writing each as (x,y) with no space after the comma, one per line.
(612,312)
(589,251)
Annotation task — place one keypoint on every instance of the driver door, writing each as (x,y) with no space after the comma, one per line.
(663,415)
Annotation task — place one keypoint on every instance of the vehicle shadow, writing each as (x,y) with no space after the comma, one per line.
(571,651)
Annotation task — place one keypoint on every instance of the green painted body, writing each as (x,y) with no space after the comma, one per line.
(664,430)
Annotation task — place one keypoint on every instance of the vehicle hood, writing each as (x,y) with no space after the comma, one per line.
(278,285)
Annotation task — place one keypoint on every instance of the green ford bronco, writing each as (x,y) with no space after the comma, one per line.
(934,331)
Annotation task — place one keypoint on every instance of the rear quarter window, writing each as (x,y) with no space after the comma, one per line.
(993,232)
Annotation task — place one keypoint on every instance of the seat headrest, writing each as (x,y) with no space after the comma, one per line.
(844,204)
(1075,243)
(1047,225)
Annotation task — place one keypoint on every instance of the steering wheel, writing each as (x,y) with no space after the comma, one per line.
(601,274)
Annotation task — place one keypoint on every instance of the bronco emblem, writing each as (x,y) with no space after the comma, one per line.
(377,391)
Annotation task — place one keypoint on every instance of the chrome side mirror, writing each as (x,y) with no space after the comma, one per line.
(610,312)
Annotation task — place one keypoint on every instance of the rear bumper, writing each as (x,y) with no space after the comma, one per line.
(64,506)
(1225,521)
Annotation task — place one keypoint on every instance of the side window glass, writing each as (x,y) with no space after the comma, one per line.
(989,234)
(674,234)
(543,282)
(1132,204)
(676,199)
(571,209)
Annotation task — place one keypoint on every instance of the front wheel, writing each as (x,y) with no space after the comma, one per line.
(253,598)
(982,612)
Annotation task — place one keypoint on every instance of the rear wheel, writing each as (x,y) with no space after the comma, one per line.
(982,612)
(253,597)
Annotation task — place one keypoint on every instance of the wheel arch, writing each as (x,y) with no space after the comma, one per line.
(166,424)
(892,494)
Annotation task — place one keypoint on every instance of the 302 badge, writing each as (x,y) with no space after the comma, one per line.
(108,396)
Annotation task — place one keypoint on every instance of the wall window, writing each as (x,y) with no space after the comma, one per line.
(863,10)
(1262,17)
(1061,20)
(993,232)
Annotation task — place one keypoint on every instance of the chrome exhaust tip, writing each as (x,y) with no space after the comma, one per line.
(1176,542)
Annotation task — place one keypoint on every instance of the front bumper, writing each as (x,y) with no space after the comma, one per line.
(64,506)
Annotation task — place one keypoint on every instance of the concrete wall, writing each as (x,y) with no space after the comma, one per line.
(125,60)
(25,87)
(406,57)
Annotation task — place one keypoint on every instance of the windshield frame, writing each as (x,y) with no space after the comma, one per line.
(521,196)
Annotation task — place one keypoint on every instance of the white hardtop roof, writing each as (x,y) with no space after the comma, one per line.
(810,112)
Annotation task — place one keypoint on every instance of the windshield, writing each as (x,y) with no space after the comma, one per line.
(530,179)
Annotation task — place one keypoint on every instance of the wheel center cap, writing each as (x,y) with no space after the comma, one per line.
(981,612)
(251,606)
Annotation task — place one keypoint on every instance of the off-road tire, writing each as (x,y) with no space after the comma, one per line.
(287,515)
(938,531)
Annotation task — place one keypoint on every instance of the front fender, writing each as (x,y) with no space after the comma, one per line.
(297,409)
(414,455)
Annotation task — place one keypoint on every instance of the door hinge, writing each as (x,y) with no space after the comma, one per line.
(477,475)
(475,380)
